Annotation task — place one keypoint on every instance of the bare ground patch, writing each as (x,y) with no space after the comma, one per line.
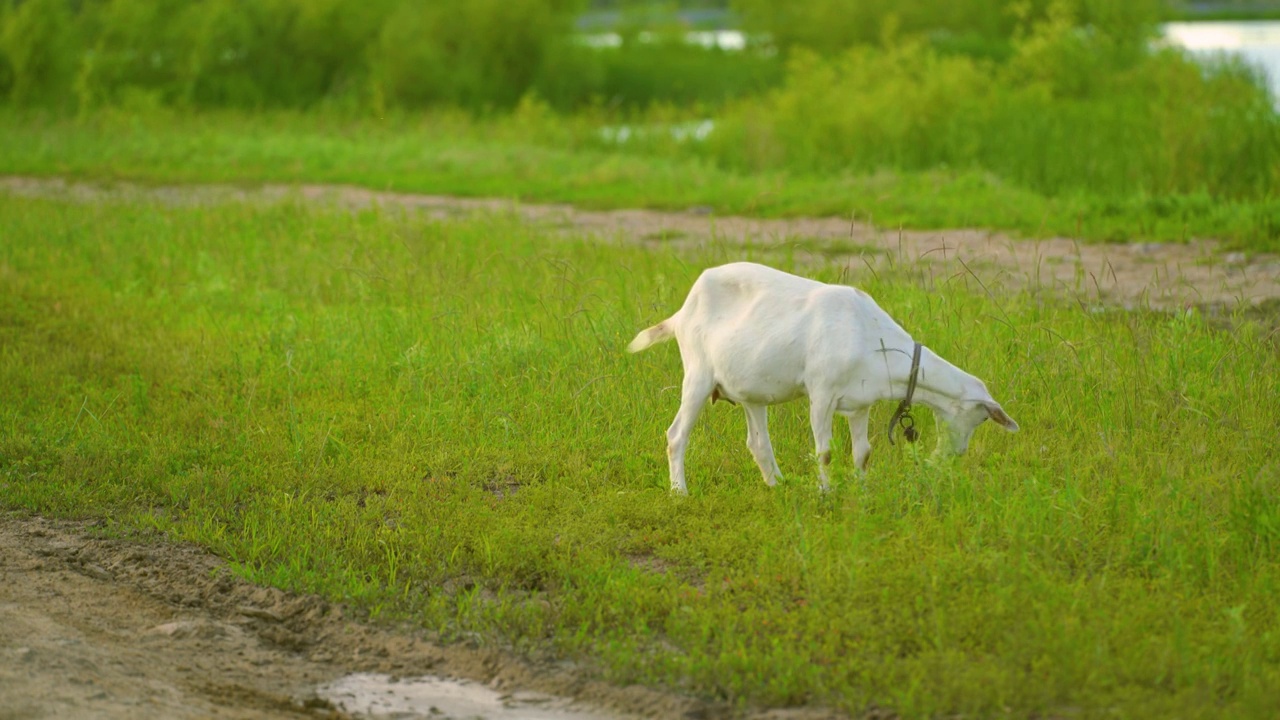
(1158,275)
(112,628)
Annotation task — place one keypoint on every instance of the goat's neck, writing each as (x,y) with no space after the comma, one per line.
(938,382)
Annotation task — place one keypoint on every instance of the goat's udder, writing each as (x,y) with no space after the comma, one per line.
(716,396)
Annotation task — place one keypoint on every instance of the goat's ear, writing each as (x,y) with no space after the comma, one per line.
(997,413)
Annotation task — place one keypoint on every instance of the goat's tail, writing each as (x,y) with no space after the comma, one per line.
(652,336)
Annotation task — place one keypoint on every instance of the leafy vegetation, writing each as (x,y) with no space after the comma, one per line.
(1047,117)
(1066,112)
(437,421)
(358,55)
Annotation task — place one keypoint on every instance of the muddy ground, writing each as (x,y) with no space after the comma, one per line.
(99,627)
(93,627)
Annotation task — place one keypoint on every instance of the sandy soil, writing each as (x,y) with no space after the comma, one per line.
(102,628)
(93,627)
(1168,275)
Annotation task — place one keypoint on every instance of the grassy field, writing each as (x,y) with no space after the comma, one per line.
(536,156)
(438,422)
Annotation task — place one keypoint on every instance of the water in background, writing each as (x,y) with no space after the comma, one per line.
(1257,41)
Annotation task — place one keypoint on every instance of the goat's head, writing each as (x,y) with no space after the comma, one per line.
(959,419)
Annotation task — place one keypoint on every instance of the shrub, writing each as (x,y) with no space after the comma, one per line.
(1072,110)
(270,53)
(38,44)
(467,52)
(831,26)
(901,107)
(672,71)
(282,53)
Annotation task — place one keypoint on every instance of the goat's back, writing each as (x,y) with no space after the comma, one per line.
(764,333)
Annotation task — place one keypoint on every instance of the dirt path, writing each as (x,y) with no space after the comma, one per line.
(1159,275)
(92,627)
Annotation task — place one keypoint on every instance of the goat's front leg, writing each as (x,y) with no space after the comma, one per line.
(821,414)
(693,395)
(758,442)
(858,433)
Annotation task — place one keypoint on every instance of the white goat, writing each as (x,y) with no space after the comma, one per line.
(758,336)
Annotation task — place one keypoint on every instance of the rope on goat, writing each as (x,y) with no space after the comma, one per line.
(902,416)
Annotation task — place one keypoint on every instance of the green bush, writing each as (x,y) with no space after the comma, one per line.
(138,46)
(901,107)
(467,52)
(570,75)
(6,67)
(38,44)
(1071,110)
(218,53)
(831,26)
(672,71)
(281,53)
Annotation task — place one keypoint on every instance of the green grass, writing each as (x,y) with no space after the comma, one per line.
(437,421)
(537,157)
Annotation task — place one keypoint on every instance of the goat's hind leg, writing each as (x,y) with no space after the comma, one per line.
(758,442)
(858,433)
(694,392)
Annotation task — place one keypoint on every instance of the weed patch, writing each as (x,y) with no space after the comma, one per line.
(436,421)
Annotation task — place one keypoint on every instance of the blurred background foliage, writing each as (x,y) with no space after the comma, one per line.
(1054,95)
